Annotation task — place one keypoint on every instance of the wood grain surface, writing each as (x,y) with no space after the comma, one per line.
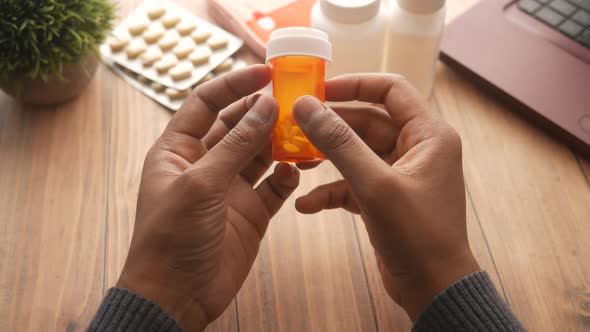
(69,177)
(309,274)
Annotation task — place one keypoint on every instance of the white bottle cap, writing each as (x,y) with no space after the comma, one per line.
(350,11)
(299,41)
(421,6)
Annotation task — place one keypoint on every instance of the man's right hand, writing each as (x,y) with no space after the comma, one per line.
(403,173)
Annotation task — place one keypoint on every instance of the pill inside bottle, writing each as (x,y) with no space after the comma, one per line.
(298,58)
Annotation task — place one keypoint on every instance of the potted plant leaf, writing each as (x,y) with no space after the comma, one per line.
(49,48)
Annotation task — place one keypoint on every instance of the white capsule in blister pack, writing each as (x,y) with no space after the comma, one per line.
(169,97)
(169,45)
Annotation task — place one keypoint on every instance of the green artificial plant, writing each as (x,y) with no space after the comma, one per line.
(37,37)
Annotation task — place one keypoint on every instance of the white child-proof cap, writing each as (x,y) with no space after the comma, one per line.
(350,11)
(299,41)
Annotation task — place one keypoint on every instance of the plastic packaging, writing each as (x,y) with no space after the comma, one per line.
(168,97)
(413,40)
(169,45)
(298,58)
(356,29)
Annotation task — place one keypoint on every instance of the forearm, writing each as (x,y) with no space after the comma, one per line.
(470,304)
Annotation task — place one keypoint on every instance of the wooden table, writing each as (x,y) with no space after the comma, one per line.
(69,177)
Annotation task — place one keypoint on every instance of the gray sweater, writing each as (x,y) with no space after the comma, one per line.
(471,304)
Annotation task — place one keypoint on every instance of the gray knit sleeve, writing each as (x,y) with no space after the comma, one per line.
(470,304)
(122,310)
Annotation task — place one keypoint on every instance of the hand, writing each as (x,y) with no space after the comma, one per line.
(405,180)
(199,217)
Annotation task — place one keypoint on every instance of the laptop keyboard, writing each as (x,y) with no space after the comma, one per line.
(570,17)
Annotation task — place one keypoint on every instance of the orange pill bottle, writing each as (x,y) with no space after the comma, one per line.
(298,58)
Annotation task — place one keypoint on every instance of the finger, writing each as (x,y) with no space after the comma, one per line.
(258,166)
(199,110)
(373,125)
(308,165)
(328,196)
(243,142)
(276,188)
(227,119)
(430,141)
(331,135)
(402,101)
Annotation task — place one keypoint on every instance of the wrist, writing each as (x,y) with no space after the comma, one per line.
(433,279)
(185,310)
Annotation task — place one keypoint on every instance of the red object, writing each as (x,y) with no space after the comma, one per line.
(254,20)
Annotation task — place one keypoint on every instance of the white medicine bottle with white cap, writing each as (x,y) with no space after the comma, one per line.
(356,29)
(413,40)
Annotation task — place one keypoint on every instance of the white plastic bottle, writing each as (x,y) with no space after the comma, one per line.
(413,40)
(356,29)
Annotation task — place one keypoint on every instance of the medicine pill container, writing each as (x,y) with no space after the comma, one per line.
(413,40)
(356,29)
(298,59)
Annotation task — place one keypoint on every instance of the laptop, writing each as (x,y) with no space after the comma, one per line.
(534,54)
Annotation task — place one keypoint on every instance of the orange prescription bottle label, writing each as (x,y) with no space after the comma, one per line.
(292,77)
(298,58)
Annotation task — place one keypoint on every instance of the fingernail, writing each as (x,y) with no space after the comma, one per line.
(264,108)
(284,169)
(304,107)
(251,100)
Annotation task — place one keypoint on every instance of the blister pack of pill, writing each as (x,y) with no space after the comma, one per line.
(171,98)
(169,45)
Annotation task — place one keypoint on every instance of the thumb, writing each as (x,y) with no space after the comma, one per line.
(243,142)
(332,135)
